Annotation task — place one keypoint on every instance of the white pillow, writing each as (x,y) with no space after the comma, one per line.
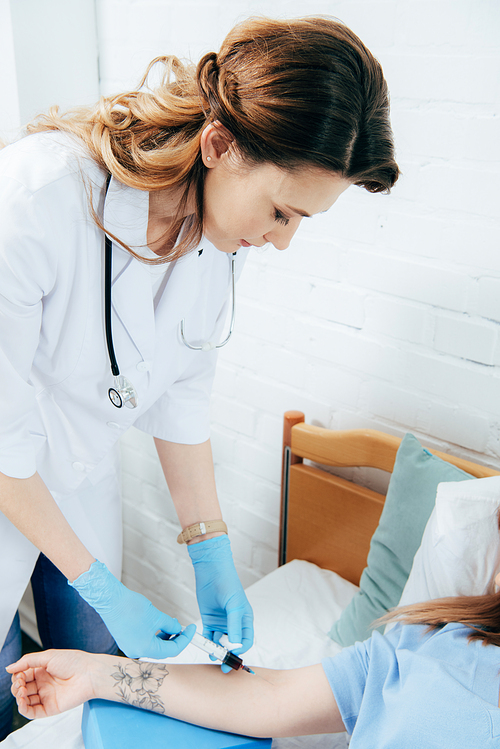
(460,550)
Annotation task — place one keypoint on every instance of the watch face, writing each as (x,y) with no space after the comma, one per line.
(115,397)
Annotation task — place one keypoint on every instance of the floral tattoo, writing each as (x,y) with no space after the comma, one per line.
(140,688)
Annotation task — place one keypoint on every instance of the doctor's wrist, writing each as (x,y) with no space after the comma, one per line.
(80,569)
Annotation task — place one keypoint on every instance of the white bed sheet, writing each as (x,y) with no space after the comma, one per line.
(294,606)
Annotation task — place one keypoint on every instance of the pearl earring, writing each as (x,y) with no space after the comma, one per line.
(209,158)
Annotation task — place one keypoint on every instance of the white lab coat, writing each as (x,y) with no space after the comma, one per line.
(55,415)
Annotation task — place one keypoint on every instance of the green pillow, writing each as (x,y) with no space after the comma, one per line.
(409,502)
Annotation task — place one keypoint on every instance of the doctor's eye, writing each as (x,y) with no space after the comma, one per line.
(280,217)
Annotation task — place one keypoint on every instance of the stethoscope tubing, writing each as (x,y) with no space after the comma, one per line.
(209,346)
(108,278)
(124,392)
(108,270)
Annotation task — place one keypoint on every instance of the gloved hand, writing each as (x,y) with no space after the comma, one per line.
(130,617)
(224,607)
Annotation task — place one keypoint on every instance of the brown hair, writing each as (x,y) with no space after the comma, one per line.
(297,93)
(480,613)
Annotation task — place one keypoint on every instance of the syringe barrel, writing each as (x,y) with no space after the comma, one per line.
(210,647)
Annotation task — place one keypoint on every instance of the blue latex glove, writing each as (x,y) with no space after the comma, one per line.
(130,617)
(224,607)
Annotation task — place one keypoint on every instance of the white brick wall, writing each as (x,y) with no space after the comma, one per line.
(48,55)
(383,313)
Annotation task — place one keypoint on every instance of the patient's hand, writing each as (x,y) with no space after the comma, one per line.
(53,681)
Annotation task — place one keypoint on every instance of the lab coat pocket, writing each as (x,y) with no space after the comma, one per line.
(38,440)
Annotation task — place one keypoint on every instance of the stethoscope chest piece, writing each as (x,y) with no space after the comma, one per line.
(123,394)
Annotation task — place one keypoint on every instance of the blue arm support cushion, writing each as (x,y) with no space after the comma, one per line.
(106,725)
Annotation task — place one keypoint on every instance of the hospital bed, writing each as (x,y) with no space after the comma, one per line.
(328,531)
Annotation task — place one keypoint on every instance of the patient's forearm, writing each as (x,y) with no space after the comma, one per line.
(269,703)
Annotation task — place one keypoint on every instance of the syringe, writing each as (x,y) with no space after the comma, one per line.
(214,649)
(220,652)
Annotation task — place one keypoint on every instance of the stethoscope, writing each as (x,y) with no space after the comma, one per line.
(210,345)
(123,393)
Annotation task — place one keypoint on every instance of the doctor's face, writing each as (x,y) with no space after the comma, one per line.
(254,205)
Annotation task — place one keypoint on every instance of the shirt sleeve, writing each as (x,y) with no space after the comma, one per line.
(182,413)
(359,674)
(25,276)
(347,674)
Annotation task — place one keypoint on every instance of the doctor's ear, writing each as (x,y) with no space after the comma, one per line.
(216,141)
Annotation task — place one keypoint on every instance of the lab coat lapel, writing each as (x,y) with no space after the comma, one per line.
(133,304)
(126,217)
(181,291)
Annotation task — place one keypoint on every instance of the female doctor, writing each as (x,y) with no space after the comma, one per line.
(121,230)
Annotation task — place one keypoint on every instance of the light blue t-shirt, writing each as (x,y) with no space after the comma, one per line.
(413,688)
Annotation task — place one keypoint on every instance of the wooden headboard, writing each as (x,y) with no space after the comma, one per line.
(326,519)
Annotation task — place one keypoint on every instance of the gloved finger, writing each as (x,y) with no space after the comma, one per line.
(167,624)
(234,625)
(208,632)
(246,636)
(176,643)
(182,640)
(216,636)
(225,669)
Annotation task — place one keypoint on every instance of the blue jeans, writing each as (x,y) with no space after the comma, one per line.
(64,620)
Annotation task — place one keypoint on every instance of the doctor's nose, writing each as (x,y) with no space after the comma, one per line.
(281,236)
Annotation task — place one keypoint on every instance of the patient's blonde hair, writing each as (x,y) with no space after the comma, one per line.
(480,613)
(299,93)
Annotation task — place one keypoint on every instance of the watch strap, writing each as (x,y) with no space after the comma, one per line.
(200,529)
